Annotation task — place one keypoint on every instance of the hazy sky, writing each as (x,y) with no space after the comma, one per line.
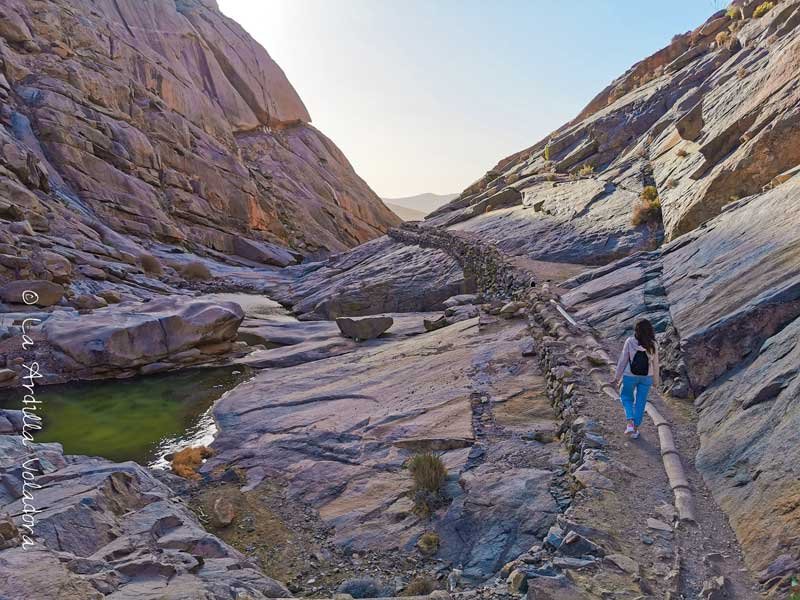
(427,95)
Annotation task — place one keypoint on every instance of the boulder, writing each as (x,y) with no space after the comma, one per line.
(365,588)
(380,276)
(132,335)
(59,267)
(363,328)
(88,302)
(34,292)
(263,252)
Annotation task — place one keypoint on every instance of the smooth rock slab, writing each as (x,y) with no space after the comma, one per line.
(132,335)
(363,328)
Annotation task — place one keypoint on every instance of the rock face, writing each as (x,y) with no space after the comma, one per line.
(727,297)
(134,337)
(108,530)
(166,121)
(377,277)
(709,119)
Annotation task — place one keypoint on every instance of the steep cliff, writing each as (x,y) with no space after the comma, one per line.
(163,120)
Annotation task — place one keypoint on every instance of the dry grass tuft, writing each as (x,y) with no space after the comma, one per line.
(420,586)
(186,462)
(195,271)
(428,543)
(586,170)
(646,212)
(428,471)
(151,265)
(722,38)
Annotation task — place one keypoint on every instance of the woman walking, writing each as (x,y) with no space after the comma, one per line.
(638,369)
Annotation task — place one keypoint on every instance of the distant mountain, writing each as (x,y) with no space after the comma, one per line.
(407,214)
(423,203)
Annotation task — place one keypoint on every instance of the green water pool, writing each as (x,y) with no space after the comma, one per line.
(139,419)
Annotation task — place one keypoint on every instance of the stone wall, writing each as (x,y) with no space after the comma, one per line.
(493,274)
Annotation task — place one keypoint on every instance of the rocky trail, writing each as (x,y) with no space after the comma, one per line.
(672,557)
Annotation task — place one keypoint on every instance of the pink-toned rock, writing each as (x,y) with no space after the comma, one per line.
(32,292)
(132,335)
(181,129)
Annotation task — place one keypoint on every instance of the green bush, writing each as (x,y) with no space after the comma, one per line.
(734,13)
(763,9)
(649,194)
(428,472)
(546,154)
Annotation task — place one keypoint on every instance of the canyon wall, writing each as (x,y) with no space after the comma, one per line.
(164,121)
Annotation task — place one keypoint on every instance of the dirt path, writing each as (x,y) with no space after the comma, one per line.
(709,547)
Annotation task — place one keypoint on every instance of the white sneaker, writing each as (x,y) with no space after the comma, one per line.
(629,429)
(635,435)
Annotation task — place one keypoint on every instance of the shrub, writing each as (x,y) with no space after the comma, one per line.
(419,586)
(794,591)
(646,212)
(763,9)
(195,271)
(649,193)
(722,38)
(682,153)
(428,471)
(428,543)
(586,170)
(741,73)
(734,13)
(150,264)
(546,154)
(185,462)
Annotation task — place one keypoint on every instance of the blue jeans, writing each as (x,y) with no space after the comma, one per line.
(633,395)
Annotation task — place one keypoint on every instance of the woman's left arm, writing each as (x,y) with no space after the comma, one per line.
(656,369)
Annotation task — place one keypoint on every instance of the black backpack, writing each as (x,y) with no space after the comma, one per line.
(640,365)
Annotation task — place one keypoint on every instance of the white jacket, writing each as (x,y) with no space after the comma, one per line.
(630,349)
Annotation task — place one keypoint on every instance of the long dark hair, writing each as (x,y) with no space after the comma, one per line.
(646,335)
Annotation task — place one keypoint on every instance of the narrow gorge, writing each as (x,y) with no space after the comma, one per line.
(225,364)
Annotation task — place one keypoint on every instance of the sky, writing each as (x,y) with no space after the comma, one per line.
(427,95)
